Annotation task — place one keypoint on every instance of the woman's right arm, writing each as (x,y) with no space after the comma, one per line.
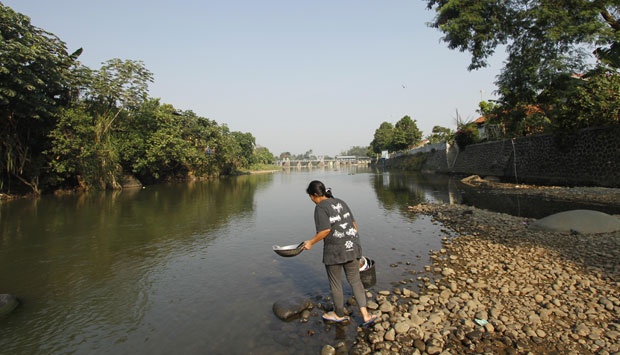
(317,238)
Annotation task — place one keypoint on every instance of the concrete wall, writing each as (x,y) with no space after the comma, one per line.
(590,157)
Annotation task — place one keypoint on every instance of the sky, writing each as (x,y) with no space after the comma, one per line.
(298,75)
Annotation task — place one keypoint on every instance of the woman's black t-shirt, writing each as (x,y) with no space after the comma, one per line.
(342,244)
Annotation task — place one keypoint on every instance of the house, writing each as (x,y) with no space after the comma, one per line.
(480,123)
(487,131)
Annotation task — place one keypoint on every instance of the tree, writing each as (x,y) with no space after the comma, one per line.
(356,151)
(382,138)
(544,39)
(35,80)
(406,134)
(596,100)
(401,136)
(111,94)
(166,143)
(486,108)
(73,158)
(308,155)
(262,155)
(440,134)
(244,148)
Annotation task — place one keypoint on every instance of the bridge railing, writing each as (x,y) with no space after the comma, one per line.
(323,162)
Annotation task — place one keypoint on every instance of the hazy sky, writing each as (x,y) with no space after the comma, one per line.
(297,74)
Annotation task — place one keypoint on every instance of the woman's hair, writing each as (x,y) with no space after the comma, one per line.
(318,188)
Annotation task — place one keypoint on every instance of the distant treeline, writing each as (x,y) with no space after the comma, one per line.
(64,125)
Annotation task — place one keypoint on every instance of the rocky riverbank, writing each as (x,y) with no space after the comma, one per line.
(499,287)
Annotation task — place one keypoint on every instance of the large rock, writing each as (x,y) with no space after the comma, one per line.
(7,304)
(129,181)
(581,221)
(290,308)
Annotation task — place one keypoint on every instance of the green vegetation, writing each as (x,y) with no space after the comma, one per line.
(561,72)
(64,125)
(440,134)
(404,135)
(357,151)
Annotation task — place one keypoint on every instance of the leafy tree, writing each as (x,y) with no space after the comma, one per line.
(73,158)
(244,146)
(382,138)
(546,41)
(112,94)
(285,155)
(401,136)
(356,151)
(133,140)
(233,150)
(308,155)
(597,100)
(262,155)
(208,148)
(406,134)
(487,108)
(169,150)
(35,80)
(440,134)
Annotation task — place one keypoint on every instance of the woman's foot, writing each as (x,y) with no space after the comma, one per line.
(333,317)
(370,320)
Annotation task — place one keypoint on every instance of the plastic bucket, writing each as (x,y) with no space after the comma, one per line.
(363,263)
(369,276)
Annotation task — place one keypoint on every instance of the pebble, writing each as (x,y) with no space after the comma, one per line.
(498,287)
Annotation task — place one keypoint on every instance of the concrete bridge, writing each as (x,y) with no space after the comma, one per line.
(338,161)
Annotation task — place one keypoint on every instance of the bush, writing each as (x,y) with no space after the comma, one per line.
(465,136)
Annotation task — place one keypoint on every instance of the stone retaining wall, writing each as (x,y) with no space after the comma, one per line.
(590,157)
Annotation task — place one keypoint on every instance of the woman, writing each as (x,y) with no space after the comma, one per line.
(336,227)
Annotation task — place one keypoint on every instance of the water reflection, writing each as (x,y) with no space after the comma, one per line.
(526,206)
(188,268)
(396,190)
(399,190)
(88,260)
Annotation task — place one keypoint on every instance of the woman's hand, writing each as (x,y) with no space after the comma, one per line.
(317,238)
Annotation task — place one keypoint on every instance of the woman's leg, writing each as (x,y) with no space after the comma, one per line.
(352,272)
(335,285)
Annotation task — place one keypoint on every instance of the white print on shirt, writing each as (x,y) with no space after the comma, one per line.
(349,244)
(344,225)
(337,207)
(338,234)
(334,219)
(346,215)
(351,232)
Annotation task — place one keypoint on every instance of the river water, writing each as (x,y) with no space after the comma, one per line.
(188,268)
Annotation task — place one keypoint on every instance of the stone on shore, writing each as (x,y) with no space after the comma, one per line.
(498,286)
(290,308)
(7,304)
(581,221)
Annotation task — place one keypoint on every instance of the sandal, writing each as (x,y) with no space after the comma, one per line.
(333,317)
(370,321)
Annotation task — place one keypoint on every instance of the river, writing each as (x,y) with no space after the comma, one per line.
(188,268)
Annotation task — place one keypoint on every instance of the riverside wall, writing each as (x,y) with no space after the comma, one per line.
(590,157)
